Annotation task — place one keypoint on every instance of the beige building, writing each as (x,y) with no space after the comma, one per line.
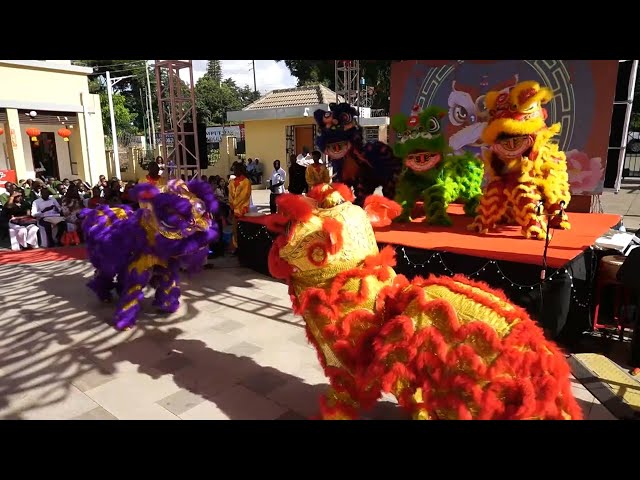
(45,96)
(281,123)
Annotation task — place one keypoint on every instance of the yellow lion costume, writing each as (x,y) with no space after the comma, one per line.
(446,348)
(527,173)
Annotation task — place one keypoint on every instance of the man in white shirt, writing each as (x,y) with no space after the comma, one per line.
(48,207)
(276,185)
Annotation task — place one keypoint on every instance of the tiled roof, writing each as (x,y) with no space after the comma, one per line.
(295,97)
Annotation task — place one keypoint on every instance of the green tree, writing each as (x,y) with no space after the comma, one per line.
(214,70)
(214,98)
(133,89)
(123,117)
(377,74)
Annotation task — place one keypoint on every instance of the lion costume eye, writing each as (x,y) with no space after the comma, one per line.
(346,118)
(434,125)
(460,114)
(199,208)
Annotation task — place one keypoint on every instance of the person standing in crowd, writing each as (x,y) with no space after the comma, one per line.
(276,185)
(239,199)
(258,172)
(297,183)
(155,177)
(317,173)
(251,173)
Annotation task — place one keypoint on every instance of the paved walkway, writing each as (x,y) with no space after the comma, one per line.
(234,350)
(626,203)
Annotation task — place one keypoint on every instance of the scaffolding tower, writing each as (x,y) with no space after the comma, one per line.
(177,115)
(348,81)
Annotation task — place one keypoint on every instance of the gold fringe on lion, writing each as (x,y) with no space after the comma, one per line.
(527,182)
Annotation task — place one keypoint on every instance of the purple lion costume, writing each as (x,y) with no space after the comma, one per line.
(130,249)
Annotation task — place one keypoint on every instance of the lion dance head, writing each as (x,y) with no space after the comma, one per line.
(422,143)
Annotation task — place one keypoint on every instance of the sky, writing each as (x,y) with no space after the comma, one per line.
(270,75)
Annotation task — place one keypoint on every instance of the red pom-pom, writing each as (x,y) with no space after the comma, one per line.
(380,210)
(295,206)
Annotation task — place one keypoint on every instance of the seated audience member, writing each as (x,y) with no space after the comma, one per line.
(125,195)
(45,209)
(96,197)
(10,187)
(113,195)
(71,206)
(16,216)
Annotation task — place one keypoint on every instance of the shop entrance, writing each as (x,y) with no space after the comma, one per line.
(45,156)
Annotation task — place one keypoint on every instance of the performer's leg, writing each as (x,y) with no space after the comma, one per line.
(406,196)
(492,207)
(167,296)
(272,203)
(132,295)
(102,285)
(525,198)
(234,236)
(435,205)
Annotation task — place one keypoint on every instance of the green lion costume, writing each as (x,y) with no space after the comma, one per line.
(430,170)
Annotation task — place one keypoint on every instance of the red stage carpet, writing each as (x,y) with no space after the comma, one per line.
(38,255)
(506,244)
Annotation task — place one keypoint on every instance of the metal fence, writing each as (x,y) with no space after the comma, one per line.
(631,167)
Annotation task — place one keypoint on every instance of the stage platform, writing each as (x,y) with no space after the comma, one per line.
(505,244)
(503,259)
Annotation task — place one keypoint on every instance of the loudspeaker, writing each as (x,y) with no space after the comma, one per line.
(202,146)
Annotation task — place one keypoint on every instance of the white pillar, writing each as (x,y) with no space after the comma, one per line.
(114,136)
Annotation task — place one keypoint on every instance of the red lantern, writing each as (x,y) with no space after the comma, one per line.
(1,130)
(64,133)
(33,133)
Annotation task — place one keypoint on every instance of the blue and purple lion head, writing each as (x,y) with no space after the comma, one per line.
(338,130)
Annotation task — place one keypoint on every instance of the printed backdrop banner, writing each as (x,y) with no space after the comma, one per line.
(583,104)
(7,176)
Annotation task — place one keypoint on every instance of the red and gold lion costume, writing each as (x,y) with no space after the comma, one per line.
(446,348)
(527,173)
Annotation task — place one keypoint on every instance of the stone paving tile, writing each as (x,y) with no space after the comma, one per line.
(600,412)
(244,349)
(299,397)
(227,326)
(97,413)
(127,396)
(265,381)
(54,402)
(236,403)
(180,402)
(291,415)
(92,379)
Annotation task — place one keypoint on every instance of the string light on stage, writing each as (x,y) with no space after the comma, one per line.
(500,272)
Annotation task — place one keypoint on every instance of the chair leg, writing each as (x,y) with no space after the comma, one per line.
(617,306)
(596,311)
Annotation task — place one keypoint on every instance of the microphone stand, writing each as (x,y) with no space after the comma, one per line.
(547,239)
